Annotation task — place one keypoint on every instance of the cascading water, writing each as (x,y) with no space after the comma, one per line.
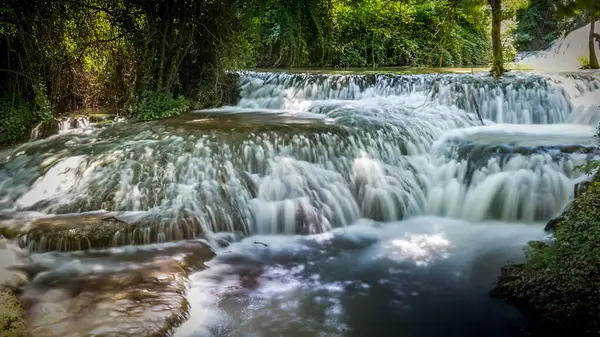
(60,126)
(341,159)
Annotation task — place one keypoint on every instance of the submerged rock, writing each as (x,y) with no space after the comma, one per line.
(68,232)
(138,293)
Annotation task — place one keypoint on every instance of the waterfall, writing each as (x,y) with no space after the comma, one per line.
(564,53)
(59,126)
(316,206)
(305,153)
(517,99)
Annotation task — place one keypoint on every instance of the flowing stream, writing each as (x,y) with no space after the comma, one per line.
(337,205)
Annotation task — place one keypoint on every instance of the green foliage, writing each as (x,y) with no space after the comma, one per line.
(590,167)
(538,25)
(62,56)
(509,43)
(559,282)
(295,33)
(16,120)
(567,8)
(584,62)
(543,21)
(42,104)
(11,316)
(373,33)
(154,105)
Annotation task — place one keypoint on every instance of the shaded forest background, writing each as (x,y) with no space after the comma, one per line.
(151,59)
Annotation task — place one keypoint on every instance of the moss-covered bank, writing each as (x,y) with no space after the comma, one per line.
(558,286)
(11,316)
(11,311)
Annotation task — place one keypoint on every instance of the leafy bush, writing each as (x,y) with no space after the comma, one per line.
(584,62)
(154,105)
(11,315)
(559,283)
(374,33)
(590,167)
(16,120)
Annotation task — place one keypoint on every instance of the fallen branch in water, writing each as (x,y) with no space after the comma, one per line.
(260,243)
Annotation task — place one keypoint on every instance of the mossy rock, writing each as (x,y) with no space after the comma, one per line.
(11,316)
(68,233)
(559,284)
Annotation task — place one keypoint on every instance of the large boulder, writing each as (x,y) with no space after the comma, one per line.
(581,187)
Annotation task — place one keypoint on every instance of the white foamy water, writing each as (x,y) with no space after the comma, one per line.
(563,54)
(303,154)
(366,279)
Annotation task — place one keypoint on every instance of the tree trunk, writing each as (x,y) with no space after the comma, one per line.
(593,59)
(498,57)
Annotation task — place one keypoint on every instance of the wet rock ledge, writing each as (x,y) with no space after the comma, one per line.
(98,230)
(65,281)
(558,286)
(147,301)
(125,292)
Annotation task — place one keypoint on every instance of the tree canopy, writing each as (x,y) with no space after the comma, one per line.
(152,59)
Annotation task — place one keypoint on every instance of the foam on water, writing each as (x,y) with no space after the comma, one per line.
(351,278)
(516,99)
(516,130)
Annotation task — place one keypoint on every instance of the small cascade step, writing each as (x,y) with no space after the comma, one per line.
(63,124)
(530,99)
(99,230)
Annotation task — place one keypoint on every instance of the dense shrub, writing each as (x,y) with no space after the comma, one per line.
(559,285)
(151,105)
(11,315)
(539,24)
(16,120)
(372,33)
